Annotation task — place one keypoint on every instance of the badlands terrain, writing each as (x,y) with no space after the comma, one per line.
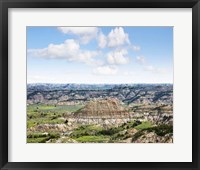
(81,113)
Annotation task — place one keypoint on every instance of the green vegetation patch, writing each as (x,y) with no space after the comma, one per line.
(131,124)
(39,121)
(53,108)
(161,130)
(86,130)
(48,114)
(113,133)
(31,123)
(37,140)
(144,125)
(92,139)
(41,137)
(115,130)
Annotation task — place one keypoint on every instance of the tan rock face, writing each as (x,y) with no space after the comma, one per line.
(152,137)
(104,108)
(49,128)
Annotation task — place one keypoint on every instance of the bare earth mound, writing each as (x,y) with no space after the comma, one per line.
(102,108)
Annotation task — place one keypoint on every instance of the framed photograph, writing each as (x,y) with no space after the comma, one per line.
(99,85)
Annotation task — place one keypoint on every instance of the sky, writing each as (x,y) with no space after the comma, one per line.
(100,55)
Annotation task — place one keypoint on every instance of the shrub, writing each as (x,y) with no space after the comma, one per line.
(162,130)
(137,135)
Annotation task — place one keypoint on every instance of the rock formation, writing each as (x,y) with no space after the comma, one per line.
(103,108)
(103,112)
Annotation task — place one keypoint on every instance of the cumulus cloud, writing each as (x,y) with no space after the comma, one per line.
(147,67)
(117,37)
(86,34)
(118,57)
(102,40)
(136,48)
(69,50)
(106,70)
(140,60)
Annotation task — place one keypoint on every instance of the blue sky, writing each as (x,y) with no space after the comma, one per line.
(100,55)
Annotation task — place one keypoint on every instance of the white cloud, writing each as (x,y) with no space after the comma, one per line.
(69,50)
(78,30)
(136,48)
(152,69)
(86,34)
(140,60)
(102,40)
(118,57)
(106,70)
(117,37)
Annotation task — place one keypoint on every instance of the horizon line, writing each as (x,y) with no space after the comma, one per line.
(101,83)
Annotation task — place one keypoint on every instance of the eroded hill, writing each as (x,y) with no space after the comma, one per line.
(61,95)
